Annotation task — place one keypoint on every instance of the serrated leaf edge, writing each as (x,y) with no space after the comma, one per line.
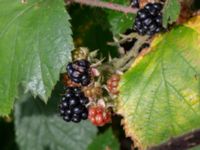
(192,23)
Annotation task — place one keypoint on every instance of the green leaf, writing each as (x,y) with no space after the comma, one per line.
(171,11)
(39,127)
(35,45)
(105,141)
(195,148)
(160,94)
(119,21)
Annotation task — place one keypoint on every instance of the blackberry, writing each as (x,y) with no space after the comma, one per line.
(72,106)
(79,72)
(135,3)
(149,19)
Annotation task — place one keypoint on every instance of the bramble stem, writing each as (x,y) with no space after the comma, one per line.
(108,5)
(183,142)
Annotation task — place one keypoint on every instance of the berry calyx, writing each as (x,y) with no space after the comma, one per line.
(149,19)
(99,115)
(80,53)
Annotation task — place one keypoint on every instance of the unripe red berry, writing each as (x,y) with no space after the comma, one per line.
(112,84)
(99,115)
(93,92)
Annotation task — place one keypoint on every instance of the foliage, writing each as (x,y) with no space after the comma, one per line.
(31,36)
(171,11)
(159,95)
(39,123)
(103,141)
(90,29)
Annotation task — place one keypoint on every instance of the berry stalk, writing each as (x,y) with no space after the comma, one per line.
(108,5)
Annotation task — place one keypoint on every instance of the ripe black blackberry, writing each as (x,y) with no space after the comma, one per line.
(79,72)
(72,106)
(135,3)
(149,19)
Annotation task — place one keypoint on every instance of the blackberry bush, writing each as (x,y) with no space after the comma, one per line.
(155,100)
(149,19)
(73,105)
(80,53)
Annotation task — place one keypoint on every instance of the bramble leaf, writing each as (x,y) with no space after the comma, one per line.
(39,126)
(104,141)
(119,21)
(160,94)
(35,45)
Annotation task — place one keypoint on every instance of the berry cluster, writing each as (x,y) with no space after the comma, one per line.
(79,72)
(99,116)
(80,88)
(149,19)
(72,106)
(112,84)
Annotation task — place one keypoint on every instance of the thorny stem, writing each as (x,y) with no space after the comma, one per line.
(125,61)
(108,5)
(183,142)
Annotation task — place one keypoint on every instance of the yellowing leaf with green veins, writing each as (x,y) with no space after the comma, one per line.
(35,44)
(160,95)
